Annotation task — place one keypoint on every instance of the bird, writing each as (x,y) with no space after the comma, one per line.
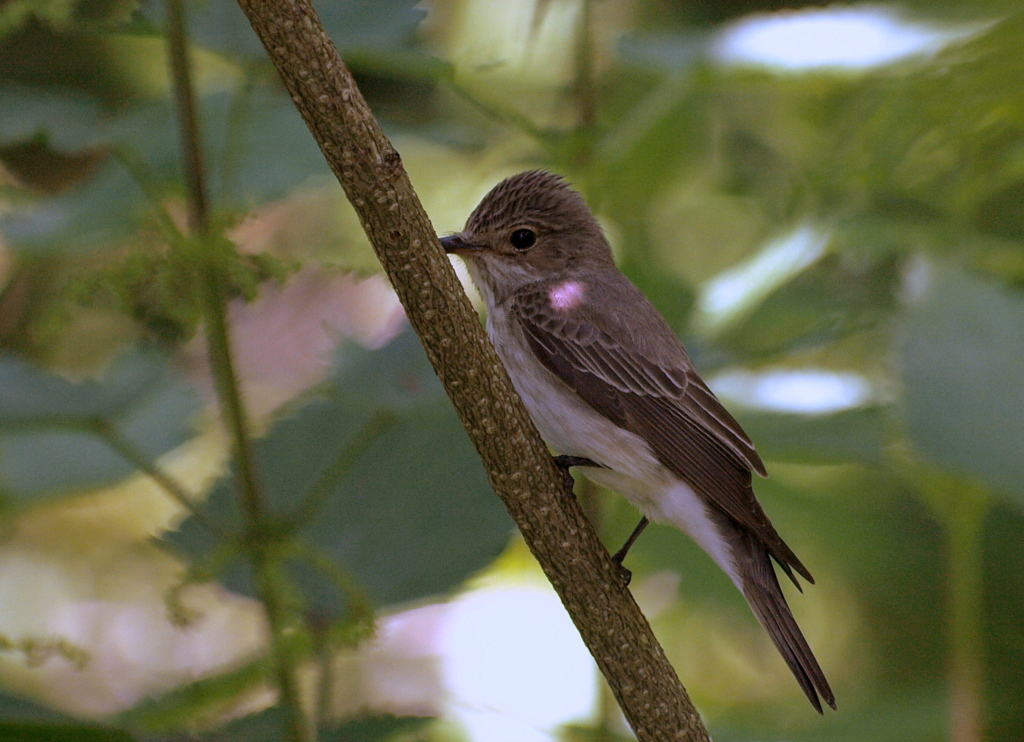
(610,386)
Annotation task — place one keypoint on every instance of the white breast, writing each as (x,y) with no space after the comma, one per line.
(571,426)
(567,423)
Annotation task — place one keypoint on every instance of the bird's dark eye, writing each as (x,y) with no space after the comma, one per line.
(522,239)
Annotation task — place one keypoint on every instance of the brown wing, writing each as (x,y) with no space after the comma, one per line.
(669,406)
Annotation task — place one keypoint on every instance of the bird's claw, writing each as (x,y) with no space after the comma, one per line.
(625,574)
(564,463)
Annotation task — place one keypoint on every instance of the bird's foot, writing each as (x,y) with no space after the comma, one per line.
(620,555)
(564,463)
(625,574)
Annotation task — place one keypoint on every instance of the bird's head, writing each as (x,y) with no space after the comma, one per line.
(530,227)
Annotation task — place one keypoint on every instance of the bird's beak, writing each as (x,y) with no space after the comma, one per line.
(456,243)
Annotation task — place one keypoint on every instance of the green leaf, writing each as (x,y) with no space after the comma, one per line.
(269,726)
(1002,214)
(411,516)
(944,132)
(202,699)
(52,431)
(961,360)
(92,215)
(373,728)
(914,715)
(849,436)
(62,59)
(673,51)
(66,120)
(25,721)
(835,297)
(659,133)
(255,144)
(220,25)
(640,261)
(257,148)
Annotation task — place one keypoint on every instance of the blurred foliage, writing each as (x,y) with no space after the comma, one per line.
(373,429)
(268,726)
(83,431)
(906,505)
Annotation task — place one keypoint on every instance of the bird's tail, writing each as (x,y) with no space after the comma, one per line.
(761,589)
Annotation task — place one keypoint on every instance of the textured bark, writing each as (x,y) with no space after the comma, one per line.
(517,462)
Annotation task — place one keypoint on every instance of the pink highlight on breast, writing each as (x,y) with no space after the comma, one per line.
(566,295)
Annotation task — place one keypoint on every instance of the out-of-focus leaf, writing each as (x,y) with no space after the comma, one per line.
(373,728)
(256,145)
(668,51)
(919,716)
(1002,213)
(61,13)
(220,25)
(93,214)
(371,24)
(961,360)
(49,442)
(269,726)
(66,120)
(410,517)
(833,298)
(204,698)
(257,149)
(673,297)
(16,13)
(24,721)
(39,169)
(65,60)
(850,436)
(943,133)
(658,132)
(1003,606)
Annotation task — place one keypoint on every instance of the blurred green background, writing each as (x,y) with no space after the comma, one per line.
(826,203)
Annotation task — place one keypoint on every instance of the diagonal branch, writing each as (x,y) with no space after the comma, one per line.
(517,462)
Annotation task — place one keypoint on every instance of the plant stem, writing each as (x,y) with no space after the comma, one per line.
(964,530)
(209,255)
(583,85)
(188,121)
(127,450)
(960,506)
(504,114)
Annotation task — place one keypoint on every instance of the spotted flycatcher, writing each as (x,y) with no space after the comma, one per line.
(606,380)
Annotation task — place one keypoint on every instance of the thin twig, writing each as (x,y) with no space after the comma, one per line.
(504,115)
(209,254)
(146,181)
(960,505)
(583,85)
(238,117)
(130,453)
(188,121)
(964,597)
(342,463)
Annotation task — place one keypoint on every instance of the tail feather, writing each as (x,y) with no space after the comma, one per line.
(761,589)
